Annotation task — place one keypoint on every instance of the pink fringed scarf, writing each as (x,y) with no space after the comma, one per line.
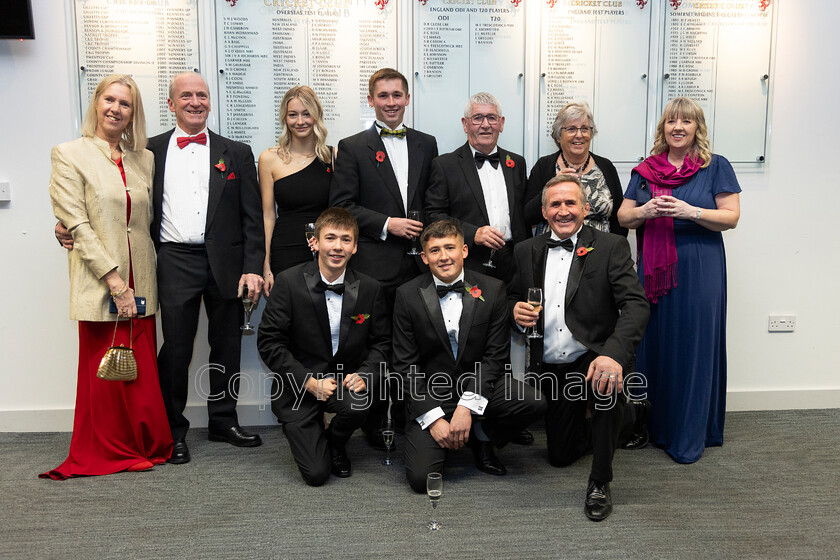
(659,259)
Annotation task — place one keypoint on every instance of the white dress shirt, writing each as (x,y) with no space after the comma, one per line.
(334,302)
(559,346)
(451,306)
(397,150)
(186,190)
(495,194)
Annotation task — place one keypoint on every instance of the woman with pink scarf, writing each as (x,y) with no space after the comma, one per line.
(679,200)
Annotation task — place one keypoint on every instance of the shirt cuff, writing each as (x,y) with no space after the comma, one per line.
(426,420)
(384,235)
(473,401)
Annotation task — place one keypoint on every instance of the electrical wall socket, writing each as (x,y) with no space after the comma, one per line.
(5,192)
(781,323)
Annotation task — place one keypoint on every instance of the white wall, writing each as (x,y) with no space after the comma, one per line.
(782,257)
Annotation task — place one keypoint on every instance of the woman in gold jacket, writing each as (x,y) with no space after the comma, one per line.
(101,189)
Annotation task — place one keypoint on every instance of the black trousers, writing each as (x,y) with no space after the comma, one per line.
(184,279)
(569,433)
(512,406)
(303,423)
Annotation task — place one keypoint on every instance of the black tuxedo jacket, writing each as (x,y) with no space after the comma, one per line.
(294,333)
(606,308)
(234,234)
(455,193)
(420,339)
(368,188)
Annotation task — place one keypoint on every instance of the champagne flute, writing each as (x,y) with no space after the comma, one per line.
(309,232)
(249,306)
(388,438)
(434,489)
(535,298)
(414,215)
(489,263)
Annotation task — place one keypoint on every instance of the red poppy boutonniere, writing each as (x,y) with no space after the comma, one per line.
(474,291)
(583,251)
(360,318)
(509,161)
(380,157)
(221,165)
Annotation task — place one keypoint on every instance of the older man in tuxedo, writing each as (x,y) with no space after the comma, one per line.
(451,345)
(482,187)
(595,312)
(325,333)
(380,176)
(207,229)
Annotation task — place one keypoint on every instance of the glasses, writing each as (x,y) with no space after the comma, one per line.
(478,119)
(572,130)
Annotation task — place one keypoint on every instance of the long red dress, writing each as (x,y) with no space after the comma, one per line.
(118,425)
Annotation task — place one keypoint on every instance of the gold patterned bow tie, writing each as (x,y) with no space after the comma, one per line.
(397,133)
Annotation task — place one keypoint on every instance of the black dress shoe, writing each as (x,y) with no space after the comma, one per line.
(180,453)
(523,438)
(598,504)
(376,440)
(485,459)
(236,436)
(639,438)
(340,465)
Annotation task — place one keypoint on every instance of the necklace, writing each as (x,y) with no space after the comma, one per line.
(585,163)
(305,157)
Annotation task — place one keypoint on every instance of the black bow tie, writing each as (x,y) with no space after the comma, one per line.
(492,158)
(565,243)
(322,287)
(456,287)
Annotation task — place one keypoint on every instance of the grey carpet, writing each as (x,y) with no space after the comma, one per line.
(772,491)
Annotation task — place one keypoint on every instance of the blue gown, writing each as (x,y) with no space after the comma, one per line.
(683,352)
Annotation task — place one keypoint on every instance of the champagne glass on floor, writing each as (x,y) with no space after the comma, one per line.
(309,231)
(249,306)
(388,438)
(414,215)
(434,489)
(489,263)
(535,298)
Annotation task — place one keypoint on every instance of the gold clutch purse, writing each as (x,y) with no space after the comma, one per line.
(118,363)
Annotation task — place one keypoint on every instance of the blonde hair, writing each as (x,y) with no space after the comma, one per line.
(134,134)
(685,108)
(310,101)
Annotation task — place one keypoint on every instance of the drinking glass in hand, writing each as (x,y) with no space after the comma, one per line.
(249,306)
(489,263)
(415,241)
(309,231)
(388,439)
(535,299)
(434,489)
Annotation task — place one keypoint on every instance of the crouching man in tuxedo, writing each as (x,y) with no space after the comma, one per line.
(451,341)
(595,314)
(325,333)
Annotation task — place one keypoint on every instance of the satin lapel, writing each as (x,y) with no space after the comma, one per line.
(432,303)
(471,174)
(585,239)
(416,159)
(160,168)
(384,168)
(218,152)
(539,253)
(319,303)
(348,307)
(509,180)
(467,314)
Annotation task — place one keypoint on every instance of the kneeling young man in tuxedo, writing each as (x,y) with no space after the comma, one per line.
(325,332)
(595,312)
(451,342)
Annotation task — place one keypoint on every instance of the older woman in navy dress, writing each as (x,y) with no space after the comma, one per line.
(679,200)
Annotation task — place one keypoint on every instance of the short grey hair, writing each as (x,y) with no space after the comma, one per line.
(573,111)
(482,98)
(187,73)
(564,178)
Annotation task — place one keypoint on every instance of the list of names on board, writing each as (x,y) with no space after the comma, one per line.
(150,42)
(330,45)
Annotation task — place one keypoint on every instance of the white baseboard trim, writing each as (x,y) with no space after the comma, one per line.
(259,414)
